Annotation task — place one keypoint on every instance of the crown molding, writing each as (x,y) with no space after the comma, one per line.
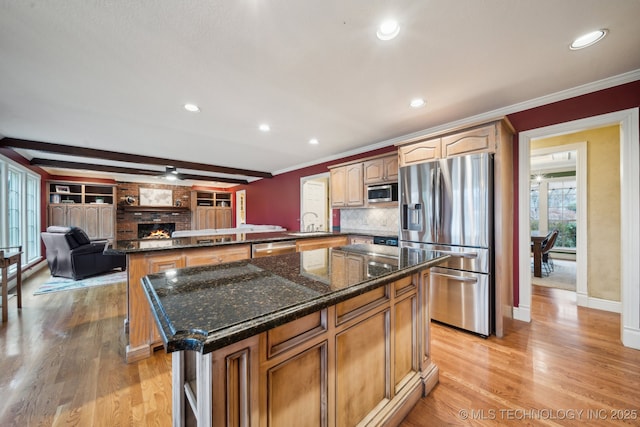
(584,89)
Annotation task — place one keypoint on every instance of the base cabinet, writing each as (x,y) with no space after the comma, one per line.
(207,218)
(364,361)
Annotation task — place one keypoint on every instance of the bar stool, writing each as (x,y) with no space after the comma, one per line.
(8,258)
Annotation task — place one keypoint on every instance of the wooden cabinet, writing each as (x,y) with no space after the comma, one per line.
(204,218)
(347,186)
(381,170)
(67,215)
(363,361)
(349,180)
(478,140)
(99,221)
(87,206)
(420,152)
(347,268)
(211,210)
(357,240)
(320,243)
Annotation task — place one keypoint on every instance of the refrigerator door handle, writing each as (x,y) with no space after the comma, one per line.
(460,254)
(457,278)
(439,201)
(435,202)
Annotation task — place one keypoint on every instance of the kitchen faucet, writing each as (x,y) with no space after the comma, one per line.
(302,227)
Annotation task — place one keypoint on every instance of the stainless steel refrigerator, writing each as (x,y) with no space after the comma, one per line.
(447,205)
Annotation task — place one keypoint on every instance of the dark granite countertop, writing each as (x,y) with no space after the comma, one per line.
(371,233)
(209,307)
(149,245)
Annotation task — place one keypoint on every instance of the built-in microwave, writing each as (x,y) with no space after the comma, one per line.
(382,193)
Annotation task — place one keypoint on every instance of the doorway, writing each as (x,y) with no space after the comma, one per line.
(314,203)
(558,201)
(629,123)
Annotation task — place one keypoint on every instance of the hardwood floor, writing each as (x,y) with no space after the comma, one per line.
(566,367)
(62,363)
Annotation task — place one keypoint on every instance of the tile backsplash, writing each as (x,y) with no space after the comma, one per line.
(378,219)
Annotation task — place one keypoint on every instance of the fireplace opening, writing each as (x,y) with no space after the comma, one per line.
(156,231)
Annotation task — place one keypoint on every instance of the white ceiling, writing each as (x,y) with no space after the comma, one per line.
(114,75)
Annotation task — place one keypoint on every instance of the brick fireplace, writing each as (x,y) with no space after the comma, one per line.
(156,230)
(132,218)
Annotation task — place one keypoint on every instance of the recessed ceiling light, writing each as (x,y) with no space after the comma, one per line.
(588,39)
(192,108)
(388,30)
(264,127)
(417,103)
(314,141)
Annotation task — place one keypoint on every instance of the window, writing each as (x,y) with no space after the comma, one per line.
(20,209)
(561,215)
(553,207)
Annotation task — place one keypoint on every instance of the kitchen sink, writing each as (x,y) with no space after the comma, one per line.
(310,233)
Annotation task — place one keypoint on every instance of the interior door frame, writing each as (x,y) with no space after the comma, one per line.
(629,213)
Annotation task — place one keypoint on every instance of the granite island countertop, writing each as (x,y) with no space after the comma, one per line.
(209,307)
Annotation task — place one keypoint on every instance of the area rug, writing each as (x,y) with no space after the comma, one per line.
(563,276)
(58,284)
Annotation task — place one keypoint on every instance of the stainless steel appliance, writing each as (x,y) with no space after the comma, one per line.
(384,240)
(259,250)
(447,206)
(382,193)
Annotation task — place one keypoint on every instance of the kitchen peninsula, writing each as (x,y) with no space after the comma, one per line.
(334,336)
(157,255)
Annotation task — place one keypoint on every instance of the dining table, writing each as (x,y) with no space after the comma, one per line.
(536,246)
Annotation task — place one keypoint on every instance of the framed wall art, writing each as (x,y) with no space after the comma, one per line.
(156,197)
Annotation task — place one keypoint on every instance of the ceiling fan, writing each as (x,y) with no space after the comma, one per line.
(171,174)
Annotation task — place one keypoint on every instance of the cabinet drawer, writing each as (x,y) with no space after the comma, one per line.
(404,285)
(207,256)
(353,307)
(320,243)
(294,333)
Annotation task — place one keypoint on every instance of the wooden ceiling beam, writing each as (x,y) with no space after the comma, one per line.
(133,171)
(70,150)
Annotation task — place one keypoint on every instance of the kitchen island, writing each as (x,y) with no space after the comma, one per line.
(146,256)
(323,337)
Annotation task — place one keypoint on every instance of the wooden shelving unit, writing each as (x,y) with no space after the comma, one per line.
(211,209)
(212,199)
(86,205)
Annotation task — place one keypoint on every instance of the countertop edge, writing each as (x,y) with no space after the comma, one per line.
(198,340)
(210,241)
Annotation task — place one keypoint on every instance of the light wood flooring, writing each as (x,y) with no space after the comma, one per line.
(62,363)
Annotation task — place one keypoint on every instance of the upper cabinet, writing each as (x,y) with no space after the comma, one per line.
(477,140)
(349,181)
(381,170)
(420,152)
(347,186)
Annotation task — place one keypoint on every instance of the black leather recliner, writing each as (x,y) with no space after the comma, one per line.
(70,253)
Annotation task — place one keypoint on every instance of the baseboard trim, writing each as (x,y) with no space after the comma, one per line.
(631,337)
(522,313)
(602,304)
